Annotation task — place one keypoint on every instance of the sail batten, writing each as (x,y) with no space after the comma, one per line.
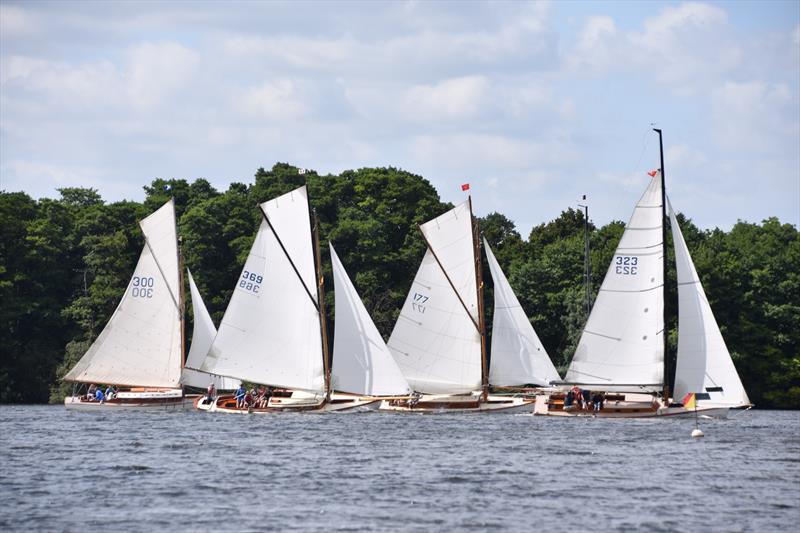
(704,363)
(622,341)
(518,356)
(270,333)
(141,343)
(435,341)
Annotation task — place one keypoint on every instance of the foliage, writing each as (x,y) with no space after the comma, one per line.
(65,262)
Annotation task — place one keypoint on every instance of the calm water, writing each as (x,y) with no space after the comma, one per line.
(195,471)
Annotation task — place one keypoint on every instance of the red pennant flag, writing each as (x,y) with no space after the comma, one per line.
(653,173)
(465,187)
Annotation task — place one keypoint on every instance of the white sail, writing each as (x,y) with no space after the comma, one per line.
(435,341)
(622,345)
(270,333)
(362,363)
(518,357)
(141,343)
(203,333)
(704,363)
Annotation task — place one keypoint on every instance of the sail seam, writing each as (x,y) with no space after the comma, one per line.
(601,335)
(640,290)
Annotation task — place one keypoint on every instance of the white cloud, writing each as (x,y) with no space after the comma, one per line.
(274,100)
(457,98)
(687,47)
(755,116)
(158,71)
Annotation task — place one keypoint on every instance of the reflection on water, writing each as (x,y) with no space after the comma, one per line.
(376,471)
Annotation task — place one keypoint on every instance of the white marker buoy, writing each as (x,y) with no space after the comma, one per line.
(697,432)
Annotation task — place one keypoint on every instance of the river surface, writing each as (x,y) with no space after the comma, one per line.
(194,471)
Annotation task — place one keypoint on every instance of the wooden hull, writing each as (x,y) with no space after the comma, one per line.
(631,406)
(460,404)
(338,403)
(134,401)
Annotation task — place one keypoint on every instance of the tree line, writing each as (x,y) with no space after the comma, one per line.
(65,263)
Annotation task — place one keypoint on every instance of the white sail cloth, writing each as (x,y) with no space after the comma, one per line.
(436,340)
(141,345)
(704,363)
(622,345)
(203,333)
(518,357)
(362,363)
(271,333)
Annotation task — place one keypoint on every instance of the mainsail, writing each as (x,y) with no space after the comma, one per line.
(362,363)
(436,340)
(518,357)
(621,347)
(203,333)
(141,344)
(271,332)
(704,363)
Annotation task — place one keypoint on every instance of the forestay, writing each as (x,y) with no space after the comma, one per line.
(141,344)
(270,333)
(621,347)
(518,357)
(203,333)
(704,363)
(436,341)
(362,363)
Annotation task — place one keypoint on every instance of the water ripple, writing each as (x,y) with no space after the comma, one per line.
(193,471)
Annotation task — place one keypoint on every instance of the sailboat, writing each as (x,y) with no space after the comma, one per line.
(141,348)
(518,357)
(203,332)
(621,350)
(439,338)
(274,329)
(362,363)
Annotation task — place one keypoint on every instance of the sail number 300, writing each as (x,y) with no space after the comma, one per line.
(142,287)
(627,265)
(250,281)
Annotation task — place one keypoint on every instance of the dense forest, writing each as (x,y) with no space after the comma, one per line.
(64,264)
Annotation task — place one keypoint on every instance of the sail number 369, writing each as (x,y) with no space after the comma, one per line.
(627,265)
(250,281)
(142,287)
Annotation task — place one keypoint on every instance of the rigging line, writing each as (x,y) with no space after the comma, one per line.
(428,244)
(294,267)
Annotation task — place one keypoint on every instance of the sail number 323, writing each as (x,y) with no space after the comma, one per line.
(627,265)
(250,281)
(142,287)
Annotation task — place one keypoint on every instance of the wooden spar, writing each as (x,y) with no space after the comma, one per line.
(477,327)
(479,287)
(294,267)
(664,262)
(182,298)
(322,317)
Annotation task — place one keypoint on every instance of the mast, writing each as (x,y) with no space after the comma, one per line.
(587,265)
(664,260)
(322,317)
(479,286)
(182,298)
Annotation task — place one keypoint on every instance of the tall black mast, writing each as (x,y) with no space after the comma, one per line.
(587,265)
(664,259)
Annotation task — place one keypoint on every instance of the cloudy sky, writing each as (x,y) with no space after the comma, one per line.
(533,104)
